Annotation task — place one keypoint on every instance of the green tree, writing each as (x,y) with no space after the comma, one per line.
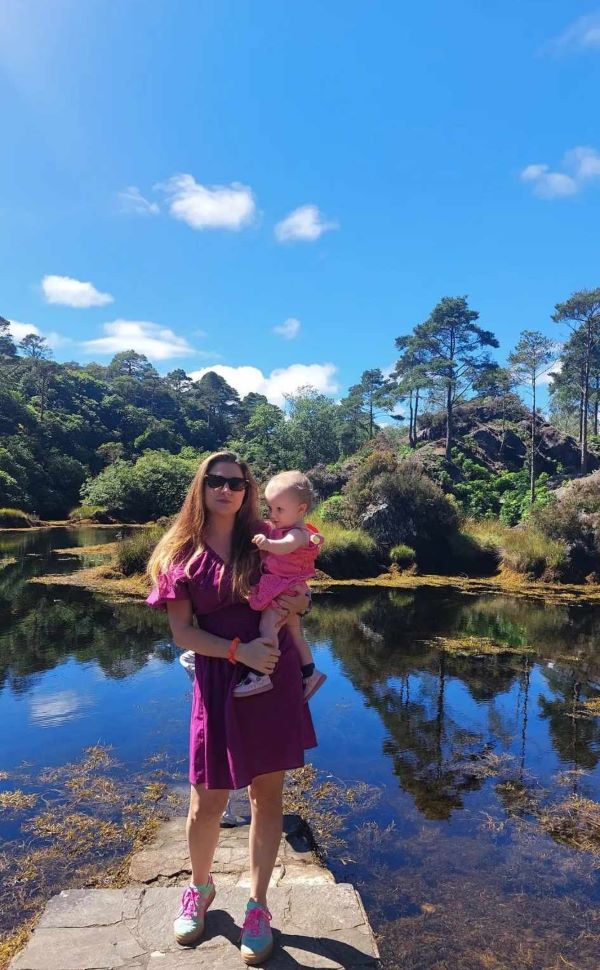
(454,351)
(263,441)
(373,394)
(34,346)
(7,344)
(216,402)
(128,363)
(410,375)
(311,429)
(499,383)
(178,381)
(529,360)
(581,313)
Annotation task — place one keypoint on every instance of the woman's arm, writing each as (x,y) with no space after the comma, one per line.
(260,654)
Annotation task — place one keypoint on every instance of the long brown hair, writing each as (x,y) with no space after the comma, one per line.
(185,539)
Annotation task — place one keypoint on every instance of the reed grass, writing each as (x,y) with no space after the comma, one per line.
(346,553)
(523,549)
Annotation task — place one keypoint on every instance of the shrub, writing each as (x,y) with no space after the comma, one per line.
(14,518)
(152,486)
(573,518)
(133,553)
(327,480)
(347,553)
(332,509)
(396,503)
(484,493)
(402,556)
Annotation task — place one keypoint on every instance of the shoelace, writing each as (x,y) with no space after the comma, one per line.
(255,921)
(189,902)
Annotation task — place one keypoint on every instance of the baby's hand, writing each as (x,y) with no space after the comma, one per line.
(260,540)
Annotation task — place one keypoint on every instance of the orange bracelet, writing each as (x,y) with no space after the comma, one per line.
(232,650)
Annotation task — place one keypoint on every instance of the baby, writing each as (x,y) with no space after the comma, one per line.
(288,556)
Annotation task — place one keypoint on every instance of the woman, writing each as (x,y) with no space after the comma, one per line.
(203,567)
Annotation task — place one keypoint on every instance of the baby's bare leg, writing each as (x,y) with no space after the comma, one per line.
(295,627)
(270,624)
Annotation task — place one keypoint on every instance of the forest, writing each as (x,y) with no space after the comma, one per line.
(449,429)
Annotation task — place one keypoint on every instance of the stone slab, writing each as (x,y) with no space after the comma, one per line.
(166,861)
(322,927)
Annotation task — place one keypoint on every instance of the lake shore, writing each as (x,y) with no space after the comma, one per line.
(107,580)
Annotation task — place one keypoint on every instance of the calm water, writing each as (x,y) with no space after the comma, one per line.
(463,752)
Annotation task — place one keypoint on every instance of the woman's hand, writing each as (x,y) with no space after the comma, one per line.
(298,601)
(260,654)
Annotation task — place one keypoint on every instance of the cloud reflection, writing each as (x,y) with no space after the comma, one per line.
(50,710)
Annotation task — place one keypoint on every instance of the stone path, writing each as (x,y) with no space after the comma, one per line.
(318,923)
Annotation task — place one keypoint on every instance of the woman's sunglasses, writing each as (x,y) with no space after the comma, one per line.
(236,484)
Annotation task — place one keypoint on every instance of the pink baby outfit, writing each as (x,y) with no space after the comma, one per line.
(282,573)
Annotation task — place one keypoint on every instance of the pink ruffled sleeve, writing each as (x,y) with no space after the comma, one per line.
(172,585)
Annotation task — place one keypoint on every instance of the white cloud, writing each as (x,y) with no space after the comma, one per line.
(555,368)
(69,292)
(305,223)
(20,330)
(156,342)
(582,35)
(209,207)
(584,162)
(279,382)
(289,329)
(132,201)
(547,184)
(580,165)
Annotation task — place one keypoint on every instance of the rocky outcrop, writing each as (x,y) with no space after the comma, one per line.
(499,438)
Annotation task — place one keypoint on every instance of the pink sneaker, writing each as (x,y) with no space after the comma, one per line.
(257,938)
(312,684)
(253,684)
(189,923)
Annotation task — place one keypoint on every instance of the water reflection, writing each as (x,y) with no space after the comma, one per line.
(48,709)
(468,713)
(486,738)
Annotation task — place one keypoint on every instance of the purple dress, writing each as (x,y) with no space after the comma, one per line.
(232,740)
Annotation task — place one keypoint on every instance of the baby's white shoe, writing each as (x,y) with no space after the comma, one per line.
(253,684)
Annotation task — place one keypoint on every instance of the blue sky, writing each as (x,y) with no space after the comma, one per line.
(287,185)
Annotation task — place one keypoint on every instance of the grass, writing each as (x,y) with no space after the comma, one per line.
(85,512)
(522,549)
(133,553)
(14,518)
(347,553)
(402,556)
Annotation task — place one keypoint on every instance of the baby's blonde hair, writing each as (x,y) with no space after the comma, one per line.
(293,482)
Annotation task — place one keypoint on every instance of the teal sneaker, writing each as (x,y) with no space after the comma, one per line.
(257,938)
(189,923)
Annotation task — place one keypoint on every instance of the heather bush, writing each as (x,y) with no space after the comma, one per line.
(397,504)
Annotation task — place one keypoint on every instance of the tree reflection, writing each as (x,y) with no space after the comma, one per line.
(391,646)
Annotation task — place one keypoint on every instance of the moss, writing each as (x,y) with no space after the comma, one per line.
(476,645)
(100,579)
